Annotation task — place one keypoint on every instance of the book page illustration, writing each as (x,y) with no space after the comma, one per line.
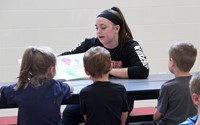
(70,67)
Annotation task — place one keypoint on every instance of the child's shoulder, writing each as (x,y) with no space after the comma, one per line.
(118,85)
(103,84)
(57,83)
(177,81)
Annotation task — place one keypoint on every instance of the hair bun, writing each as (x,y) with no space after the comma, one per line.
(114,8)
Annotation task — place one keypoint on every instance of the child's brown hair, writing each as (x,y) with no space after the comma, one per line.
(35,66)
(184,53)
(97,61)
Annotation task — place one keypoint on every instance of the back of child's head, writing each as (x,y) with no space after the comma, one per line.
(184,53)
(97,61)
(35,66)
(195,84)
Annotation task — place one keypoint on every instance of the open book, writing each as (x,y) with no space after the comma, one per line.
(70,67)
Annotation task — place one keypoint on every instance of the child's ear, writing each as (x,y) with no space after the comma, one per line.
(111,66)
(86,72)
(52,70)
(173,62)
(196,99)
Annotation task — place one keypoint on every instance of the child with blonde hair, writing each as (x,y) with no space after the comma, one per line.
(195,93)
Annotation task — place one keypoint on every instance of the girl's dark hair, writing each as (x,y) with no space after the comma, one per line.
(35,67)
(125,32)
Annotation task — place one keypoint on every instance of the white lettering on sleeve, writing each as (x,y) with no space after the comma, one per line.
(141,56)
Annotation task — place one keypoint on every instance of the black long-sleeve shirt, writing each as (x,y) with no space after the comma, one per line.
(130,55)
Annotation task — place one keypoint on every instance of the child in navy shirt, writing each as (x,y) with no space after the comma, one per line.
(36,93)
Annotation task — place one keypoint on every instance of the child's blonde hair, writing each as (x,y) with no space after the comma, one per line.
(195,84)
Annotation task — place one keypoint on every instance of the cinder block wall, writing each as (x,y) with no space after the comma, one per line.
(62,24)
